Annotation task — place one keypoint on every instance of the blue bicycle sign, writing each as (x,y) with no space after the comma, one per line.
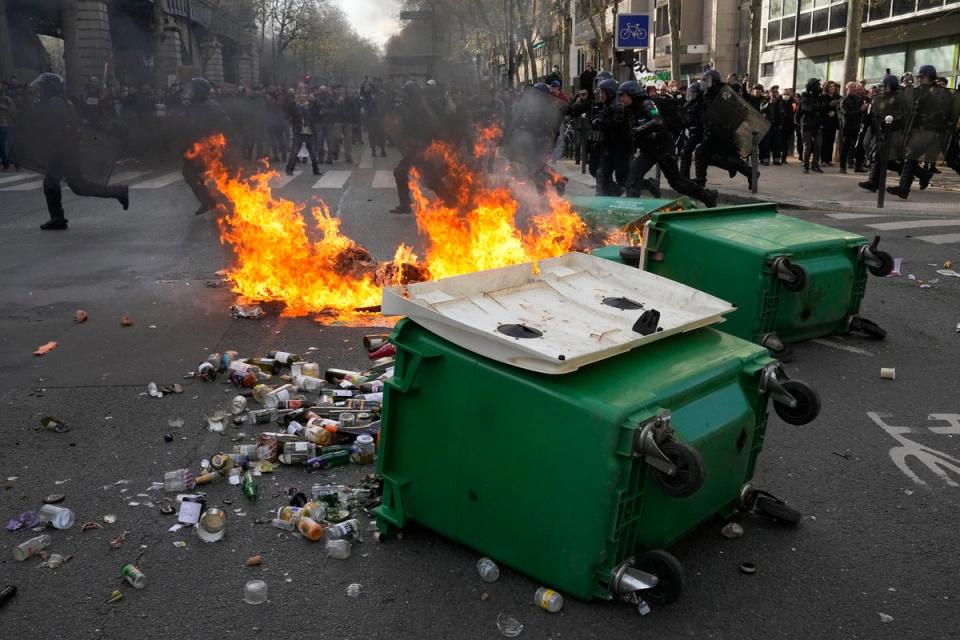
(633,31)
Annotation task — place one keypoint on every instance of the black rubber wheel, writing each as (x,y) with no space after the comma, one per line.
(799,278)
(690,470)
(630,256)
(776,510)
(868,328)
(808,403)
(886,264)
(668,571)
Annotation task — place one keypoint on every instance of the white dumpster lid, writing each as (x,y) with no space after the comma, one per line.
(555,320)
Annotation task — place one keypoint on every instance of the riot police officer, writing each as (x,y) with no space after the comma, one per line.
(718,147)
(59,139)
(654,146)
(204,117)
(928,126)
(892,102)
(612,141)
(693,111)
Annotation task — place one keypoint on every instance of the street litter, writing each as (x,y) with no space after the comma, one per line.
(548,599)
(7,593)
(886,618)
(28,548)
(950,273)
(53,498)
(897,262)
(731,530)
(56,424)
(45,348)
(59,517)
(134,576)
(748,568)
(80,316)
(110,518)
(249,311)
(488,570)
(508,626)
(354,590)
(90,526)
(125,321)
(254,561)
(888,373)
(115,596)
(153,391)
(55,561)
(255,592)
(117,542)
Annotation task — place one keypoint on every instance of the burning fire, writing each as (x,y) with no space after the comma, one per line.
(473,229)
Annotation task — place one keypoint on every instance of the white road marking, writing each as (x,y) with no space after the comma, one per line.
(914,224)
(282,179)
(333,180)
(384,180)
(842,347)
(26,186)
(127,176)
(23,175)
(943,238)
(366,159)
(160,181)
(853,216)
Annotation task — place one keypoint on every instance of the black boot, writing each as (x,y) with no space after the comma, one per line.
(54,224)
(868,185)
(709,198)
(653,187)
(924,176)
(316,169)
(124,197)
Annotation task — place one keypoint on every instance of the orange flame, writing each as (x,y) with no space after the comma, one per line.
(486,139)
(277,260)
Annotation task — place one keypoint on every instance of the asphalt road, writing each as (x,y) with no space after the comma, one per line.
(873,541)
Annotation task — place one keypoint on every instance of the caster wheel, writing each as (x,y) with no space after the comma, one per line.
(630,256)
(799,280)
(808,403)
(885,267)
(690,470)
(776,510)
(868,328)
(668,571)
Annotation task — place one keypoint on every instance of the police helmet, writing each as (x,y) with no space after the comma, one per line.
(632,88)
(48,85)
(890,82)
(695,87)
(813,85)
(609,85)
(927,71)
(604,75)
(711,78)
(541,86)
(200,89)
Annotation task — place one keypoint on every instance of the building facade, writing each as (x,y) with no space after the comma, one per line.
(122,39)
(898,35)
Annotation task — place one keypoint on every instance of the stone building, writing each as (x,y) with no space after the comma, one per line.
(134,41)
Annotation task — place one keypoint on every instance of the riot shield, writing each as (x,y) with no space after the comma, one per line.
(730,116)
(90,151)
(932,119)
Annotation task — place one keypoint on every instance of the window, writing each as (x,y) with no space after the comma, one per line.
(940,53)
(776,8)
(806,5)
(838,16)
(928,4)
(835,69)
(811,68)
(820,20)
(877,61)
(902,7)
(766,69)
(786,28)
(804,28)
(773,31)
(662,22)
(879,9)
(789,7)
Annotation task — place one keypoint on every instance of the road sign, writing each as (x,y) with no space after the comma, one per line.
(632,31)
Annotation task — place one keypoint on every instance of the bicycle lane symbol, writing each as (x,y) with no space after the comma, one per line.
(941,464)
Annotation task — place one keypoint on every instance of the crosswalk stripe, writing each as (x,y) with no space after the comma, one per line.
(26,186)
(854,216)
(160,181)
(281,179)
(384,180)
(127,176)
(333,180)
(943,238)
(366,159)
(914,224)
(26,175)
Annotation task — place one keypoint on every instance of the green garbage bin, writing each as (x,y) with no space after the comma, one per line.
(791,280)
(579,480)
(608,212)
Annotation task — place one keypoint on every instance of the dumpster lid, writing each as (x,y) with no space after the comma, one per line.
(557,315)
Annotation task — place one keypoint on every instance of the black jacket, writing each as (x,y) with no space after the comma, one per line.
(851,113)
(812,113)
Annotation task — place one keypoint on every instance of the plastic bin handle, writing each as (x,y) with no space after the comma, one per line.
(412,358)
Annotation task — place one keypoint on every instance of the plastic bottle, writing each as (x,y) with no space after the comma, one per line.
(339,549)
(346,530)
(315,510)
(238,405)
(134,576)
(548,599)
(249,487)
(364,450)
(283,524)
(260,416)
(207,371)
(28,548)
(308,383)
(284,357)
(310,528)
(284,393)
(488,570)
(178,480)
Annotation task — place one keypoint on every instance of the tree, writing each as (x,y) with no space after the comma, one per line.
(598,22)
(753,61)
(851,49)
(673,18)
